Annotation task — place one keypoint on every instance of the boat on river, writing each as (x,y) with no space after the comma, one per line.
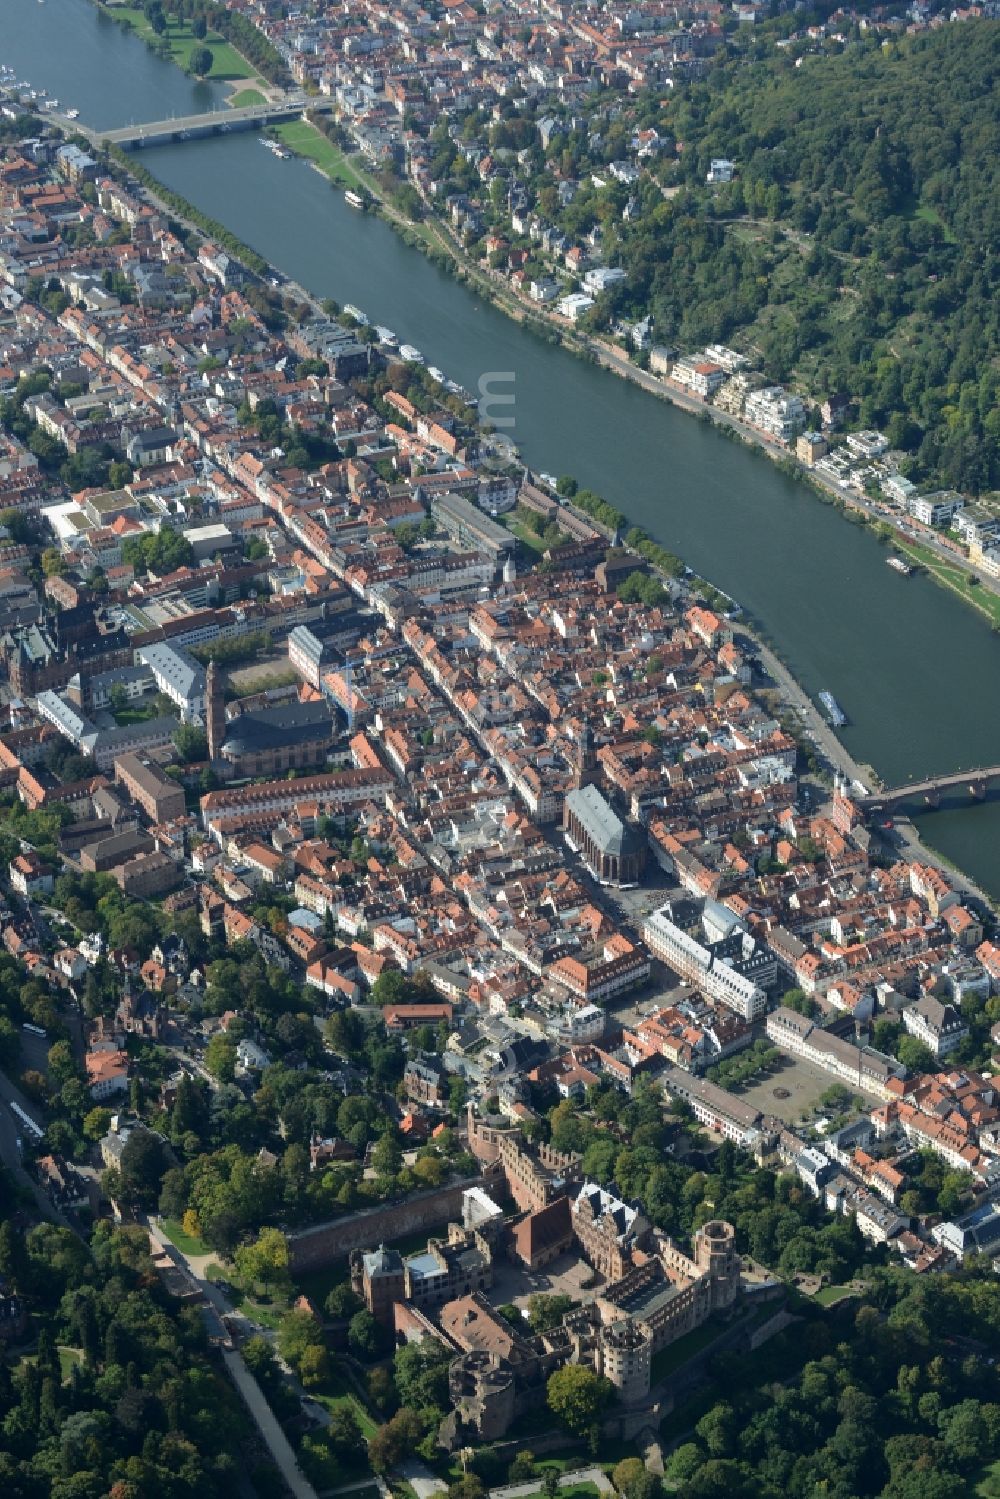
(410,354)
(899,566)
(354,199)
(834,712)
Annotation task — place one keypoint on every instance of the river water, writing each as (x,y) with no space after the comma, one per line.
(915,670)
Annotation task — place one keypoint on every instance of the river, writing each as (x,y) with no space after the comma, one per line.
(914,669)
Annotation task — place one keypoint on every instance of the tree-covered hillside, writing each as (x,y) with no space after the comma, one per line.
(108,1388)
(858,247)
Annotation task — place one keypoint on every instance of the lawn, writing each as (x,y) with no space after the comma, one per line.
(831,1295)
(449,1466)
(673,1357)
(265,681)
(245,98)
(182,1241)
(305,140)
(123,716)
(267,1313)
(226,61)
(953,575)
(69,1359)
(529,537)
(337,1393)
(334,1402)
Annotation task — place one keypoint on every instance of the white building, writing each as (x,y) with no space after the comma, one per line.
(858,1066)
(714,975)
(939,1026)
(775,412)
(898,489)
(977,1232)
(601,277)
(575,305)
(867,444)
(179,677)
(938,509)
(720,170)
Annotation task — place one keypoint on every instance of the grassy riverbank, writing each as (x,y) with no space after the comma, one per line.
(953,576)
(178,41)
(337,166)
(305,140)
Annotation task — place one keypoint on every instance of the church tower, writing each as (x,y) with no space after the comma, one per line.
(585,770)
(216,714)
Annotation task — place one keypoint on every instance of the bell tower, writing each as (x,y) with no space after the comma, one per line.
(585,769)
(216,714)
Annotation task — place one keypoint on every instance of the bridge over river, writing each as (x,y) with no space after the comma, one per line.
(977,783)
(195,127)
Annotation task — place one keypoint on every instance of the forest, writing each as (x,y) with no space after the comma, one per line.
(897,1399)
(857,248)
(855,252)
(117,1395)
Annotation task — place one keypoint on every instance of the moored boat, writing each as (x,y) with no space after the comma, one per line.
(834,712)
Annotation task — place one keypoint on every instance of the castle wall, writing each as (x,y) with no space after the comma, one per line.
(313,1248)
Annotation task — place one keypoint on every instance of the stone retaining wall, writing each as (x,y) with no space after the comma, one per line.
(314,1248)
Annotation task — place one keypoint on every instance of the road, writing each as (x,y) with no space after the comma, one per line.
(820,731)
(266,1423)
(214,1309)
(904,842)
(10,1132)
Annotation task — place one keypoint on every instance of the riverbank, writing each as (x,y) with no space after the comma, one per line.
(956,577)
(434,238)
(177,42)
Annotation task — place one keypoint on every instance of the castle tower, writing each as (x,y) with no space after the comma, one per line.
(715,1255)
(216,711)
(625,1357)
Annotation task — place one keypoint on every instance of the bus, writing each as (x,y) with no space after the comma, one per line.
(26,1121)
